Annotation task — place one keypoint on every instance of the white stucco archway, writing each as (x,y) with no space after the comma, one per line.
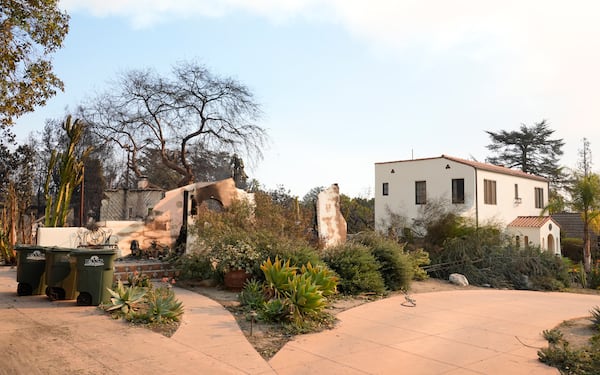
(551,243)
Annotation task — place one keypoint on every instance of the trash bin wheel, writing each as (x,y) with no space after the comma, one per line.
(56,293)
(24,289)
(84,299)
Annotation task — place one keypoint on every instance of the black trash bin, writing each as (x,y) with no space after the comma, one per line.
(31,265)
(95,270)
(61,274)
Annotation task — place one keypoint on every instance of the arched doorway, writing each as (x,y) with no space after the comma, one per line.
(551,244)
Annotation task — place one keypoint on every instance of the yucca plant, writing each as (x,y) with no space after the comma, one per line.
(163,306)
(125,299)
(278,275)
(70,168)
(323,277)
(305,296)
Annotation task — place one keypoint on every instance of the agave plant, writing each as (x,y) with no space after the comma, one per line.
(253,294)
(305,296)
(278,275)
(275,310)
(323,277)
(125,299)
(163,306)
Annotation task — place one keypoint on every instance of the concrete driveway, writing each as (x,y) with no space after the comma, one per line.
(453,332)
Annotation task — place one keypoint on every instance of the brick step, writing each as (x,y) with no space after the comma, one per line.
(155,270)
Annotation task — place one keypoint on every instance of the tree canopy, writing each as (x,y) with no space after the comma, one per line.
(30,31)
(530,149)
(190,108)
(585,198)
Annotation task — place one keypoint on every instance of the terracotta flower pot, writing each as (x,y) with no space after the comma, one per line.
(234,280)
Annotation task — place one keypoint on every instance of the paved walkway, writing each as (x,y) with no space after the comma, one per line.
(42,337)
(454,332)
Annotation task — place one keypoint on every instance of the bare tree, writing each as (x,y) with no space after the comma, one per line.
(144,110)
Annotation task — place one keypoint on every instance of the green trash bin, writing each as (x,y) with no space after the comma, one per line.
(61,274)
(95,270)
(31,265)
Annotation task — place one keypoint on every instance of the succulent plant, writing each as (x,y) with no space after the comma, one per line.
(125,299)
(275,310)
(253,294)
(323,277)
(278,275)
(162,305)
(306,296)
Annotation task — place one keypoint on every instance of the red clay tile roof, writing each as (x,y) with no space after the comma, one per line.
(482,166)
(531,221)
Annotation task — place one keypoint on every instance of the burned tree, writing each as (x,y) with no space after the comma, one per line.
(190,108)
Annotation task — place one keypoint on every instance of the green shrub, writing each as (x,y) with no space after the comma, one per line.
(298,254)
(593,279)
(572,248)
(553,336)
(194,266)
(546,283)
(394,266)
(484,258)
(419,258)
(569,360)
(357,268)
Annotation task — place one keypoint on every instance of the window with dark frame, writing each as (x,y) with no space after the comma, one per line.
(458,190)
(539,198)
(516,191)
(489,191)
(420,192)
(386,188)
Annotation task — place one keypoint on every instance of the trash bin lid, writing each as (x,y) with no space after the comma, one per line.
(56,249)
(22,247)
(84,252)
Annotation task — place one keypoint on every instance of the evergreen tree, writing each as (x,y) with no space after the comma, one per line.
(530,149)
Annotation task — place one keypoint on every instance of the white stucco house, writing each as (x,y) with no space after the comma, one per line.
(542,231)
(483,192)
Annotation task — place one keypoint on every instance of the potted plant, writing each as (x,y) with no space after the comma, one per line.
(235,261)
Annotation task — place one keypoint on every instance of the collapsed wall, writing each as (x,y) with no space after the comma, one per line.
(331,225)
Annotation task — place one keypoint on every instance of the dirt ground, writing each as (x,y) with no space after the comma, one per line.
(267,338)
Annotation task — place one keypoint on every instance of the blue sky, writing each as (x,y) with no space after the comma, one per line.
(347,83)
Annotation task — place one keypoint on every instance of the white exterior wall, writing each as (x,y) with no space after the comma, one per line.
(401,197)
(58,236)
(506,208)
(537,236)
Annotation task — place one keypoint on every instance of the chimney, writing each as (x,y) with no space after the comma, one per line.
(143,182)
